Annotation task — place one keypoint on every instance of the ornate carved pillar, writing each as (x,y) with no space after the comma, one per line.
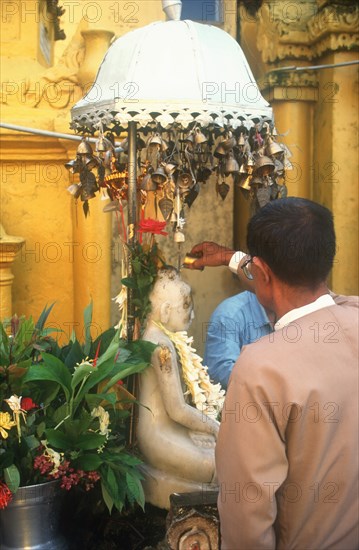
(333,31)
(9,247)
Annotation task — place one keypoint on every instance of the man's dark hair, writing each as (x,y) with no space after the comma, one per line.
(296,238)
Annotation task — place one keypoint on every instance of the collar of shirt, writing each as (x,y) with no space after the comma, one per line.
(323,301)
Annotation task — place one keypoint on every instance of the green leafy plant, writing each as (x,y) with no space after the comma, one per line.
(63,410)
(146,261)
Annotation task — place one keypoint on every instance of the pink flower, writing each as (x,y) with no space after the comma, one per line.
(5,495)
(149,225)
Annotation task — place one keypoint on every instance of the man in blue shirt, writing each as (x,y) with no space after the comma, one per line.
(237,321)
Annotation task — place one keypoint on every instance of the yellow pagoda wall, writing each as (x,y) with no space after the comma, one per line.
(67,258)
(315,111)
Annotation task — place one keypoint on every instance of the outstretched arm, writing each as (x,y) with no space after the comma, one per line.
(210,254)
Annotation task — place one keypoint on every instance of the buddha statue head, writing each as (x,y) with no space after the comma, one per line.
(171,301)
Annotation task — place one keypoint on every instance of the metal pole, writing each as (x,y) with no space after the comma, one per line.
(132,219)
(314,67)
(131,240)
(45,133)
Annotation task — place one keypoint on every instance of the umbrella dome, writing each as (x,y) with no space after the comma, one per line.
(173,72)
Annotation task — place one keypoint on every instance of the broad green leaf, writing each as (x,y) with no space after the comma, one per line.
(127,371)
(12,478)
(32,442)
(58,439)
(60,413)
(90,441)
(94,399)
(74,354)
(134,487)
(89,462)
(87,325)
(80,373)
(40,429)
(52,369)
(129,282)
(106,497)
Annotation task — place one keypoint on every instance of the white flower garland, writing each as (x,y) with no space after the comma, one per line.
(207,397)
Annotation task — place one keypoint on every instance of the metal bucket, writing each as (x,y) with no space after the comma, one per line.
(31,519)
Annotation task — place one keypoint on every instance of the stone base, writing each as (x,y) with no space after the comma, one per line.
(193,522)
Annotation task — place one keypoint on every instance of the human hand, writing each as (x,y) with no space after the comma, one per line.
(209,254)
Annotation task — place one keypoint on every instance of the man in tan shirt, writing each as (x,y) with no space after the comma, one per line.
(287,449)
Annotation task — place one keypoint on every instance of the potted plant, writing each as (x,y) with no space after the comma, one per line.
(63,411)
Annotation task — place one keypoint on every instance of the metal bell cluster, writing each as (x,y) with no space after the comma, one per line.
(255,161)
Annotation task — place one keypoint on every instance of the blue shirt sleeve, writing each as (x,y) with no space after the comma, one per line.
(223,346)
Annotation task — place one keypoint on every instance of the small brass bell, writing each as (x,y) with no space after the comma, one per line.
(245,182)
(199,137)
(84,148)
(148,184)
(273,148)
(170,168)
(103,144)
(220,151)
(90,162)
(155,140)
(73,166)
(231,165)
(264,166)
(241,140)
(184,181)
(159,177)
(228,142)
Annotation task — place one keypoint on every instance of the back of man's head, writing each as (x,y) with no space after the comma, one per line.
(296,238)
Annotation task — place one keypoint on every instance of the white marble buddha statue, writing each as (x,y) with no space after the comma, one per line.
(176,439)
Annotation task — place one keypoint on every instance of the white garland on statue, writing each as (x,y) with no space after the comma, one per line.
(206,396)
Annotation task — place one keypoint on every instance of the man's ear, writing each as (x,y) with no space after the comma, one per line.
(165,312)
(264,271)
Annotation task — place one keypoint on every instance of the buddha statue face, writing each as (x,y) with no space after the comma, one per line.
(171,301)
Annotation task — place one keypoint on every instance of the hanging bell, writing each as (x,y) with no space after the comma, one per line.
(73,166)
(231,165)
(84,148)
(184,181)
(103,144)
(179,237)
(159,177)
(164,145)
(228,142)
(148,184)
(199,137)
(245,182)
(220,151)
(273,148)
(90,162)
(241,140)
(155,139)
(170,168)
(264,166)
(75,190)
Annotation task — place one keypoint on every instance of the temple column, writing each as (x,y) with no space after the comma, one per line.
(9,247)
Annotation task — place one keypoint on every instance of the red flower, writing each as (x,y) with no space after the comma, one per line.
(5,495)
(27,404)
(149,225)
